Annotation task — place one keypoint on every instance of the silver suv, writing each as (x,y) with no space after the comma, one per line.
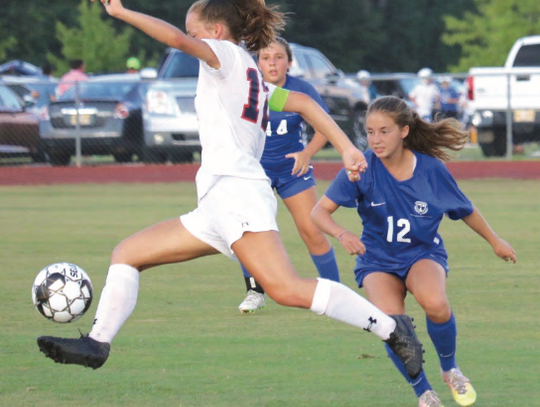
(170,122)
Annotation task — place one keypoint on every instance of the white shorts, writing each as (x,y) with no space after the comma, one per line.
(231,207)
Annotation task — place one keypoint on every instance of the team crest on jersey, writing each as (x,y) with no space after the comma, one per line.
(420,207)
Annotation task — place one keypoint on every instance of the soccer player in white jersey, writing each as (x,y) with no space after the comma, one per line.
(236,207)
(401,200)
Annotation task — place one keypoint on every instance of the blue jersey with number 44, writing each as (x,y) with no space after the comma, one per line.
(400,219)
(284,132)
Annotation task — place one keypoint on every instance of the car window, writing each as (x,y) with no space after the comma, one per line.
(8,99)
(320,66)
(181,65)
(301,62)
(528,55)
(97,90)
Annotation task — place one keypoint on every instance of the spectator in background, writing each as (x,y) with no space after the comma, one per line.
(133,65)
(425,96)
(76,74)
(369,91)
(47,71)
(449,98)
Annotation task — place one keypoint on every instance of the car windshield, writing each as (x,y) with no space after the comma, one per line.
(181,66)
(100,90)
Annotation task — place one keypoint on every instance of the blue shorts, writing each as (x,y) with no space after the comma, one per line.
(290,185)
(362,269)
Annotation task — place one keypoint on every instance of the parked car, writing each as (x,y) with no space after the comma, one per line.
(171,129)
(19,129)
(505,99)
(18,67)
(36,92)
(105,111)
(343,95)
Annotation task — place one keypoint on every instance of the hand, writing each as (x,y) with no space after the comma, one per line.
(503,250)
(301,162)
(111,6)
(351,243)
(355,163)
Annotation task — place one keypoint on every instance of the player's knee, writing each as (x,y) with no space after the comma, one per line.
(437,309)
(290,294)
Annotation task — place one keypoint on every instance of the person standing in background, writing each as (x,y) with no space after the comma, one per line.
(369,91)
(449,98)
(133,65)
(425,96)
(76,74)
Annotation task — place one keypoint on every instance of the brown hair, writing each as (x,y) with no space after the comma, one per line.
(428,138)
(250,21)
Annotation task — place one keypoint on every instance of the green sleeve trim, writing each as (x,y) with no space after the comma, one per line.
(278,99)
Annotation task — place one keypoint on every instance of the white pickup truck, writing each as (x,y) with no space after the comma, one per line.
(507,95)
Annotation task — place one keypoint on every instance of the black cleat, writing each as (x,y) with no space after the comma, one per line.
(83,351)
(406,345)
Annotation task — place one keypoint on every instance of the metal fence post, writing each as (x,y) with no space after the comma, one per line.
(77,126)
(509,118)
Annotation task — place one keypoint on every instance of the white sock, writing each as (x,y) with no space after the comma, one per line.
(116,303)
(339,302)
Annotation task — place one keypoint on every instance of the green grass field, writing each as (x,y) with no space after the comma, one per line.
(186,344)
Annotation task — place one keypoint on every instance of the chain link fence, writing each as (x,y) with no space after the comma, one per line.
(122,118)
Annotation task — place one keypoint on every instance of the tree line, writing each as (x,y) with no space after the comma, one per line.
(377,35)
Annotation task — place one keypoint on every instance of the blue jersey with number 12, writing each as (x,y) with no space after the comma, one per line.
(284,132)
(400,218)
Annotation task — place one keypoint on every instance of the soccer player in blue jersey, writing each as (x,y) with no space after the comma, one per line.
(401,200)
(287,164)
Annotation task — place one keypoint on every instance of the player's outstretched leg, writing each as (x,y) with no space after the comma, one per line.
(83,351)
(406,345)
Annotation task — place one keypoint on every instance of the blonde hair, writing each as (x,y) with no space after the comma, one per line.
(249,21)
(428,138)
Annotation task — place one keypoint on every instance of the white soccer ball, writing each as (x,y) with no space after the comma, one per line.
(62,292)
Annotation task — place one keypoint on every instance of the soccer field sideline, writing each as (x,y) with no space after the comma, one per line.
(139,173)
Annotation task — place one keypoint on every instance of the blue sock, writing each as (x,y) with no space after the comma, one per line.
(444,338)
(326,265)
(245,272)
(420,385)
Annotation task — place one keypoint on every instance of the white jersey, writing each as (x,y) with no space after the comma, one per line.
(425,96)
(232,109)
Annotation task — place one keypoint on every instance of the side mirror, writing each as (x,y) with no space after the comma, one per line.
(335,76)
(148,73)
(29,101)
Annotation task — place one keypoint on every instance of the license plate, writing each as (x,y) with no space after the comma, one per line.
(524,115)
(84,120)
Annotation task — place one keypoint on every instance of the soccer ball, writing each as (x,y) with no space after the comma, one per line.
(62,292)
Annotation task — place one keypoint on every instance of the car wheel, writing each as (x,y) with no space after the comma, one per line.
(60,159)
(181,157)
(497,146)
(359,136)
(150,156)
(123,157)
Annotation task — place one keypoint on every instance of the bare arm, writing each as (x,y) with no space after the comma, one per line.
(322,217)
(162,32)
(311,112)
(500,247)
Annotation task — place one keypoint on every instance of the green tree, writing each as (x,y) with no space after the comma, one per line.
(486,36)
(94,40)
(5,45)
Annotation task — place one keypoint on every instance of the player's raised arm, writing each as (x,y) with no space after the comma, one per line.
(167,33)
(353,159)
